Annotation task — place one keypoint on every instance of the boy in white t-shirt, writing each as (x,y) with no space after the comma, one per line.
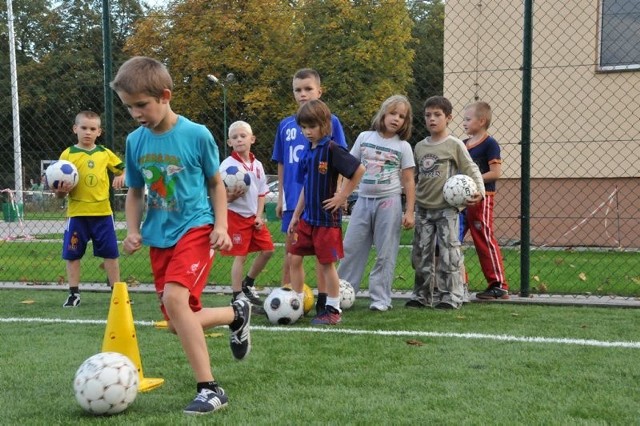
(247,228)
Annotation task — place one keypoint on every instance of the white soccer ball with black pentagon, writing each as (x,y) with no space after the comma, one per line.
(61,171)
(234,178)
(458,190)
(106,383)
(347,294)
(283,306)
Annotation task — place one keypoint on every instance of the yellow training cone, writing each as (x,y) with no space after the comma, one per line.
(120,335)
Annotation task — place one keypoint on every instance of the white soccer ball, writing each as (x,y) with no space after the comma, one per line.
(347,294)
(283,306)
(458,190)
(61,171)
(106,383)
(234,178)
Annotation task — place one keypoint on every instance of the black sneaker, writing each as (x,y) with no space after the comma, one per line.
(492,293)
(416,304)
(240,338)
(72,301)
(252,295)
(445,305)
(255,309)
(207,401)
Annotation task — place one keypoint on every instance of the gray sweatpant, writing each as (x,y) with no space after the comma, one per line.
(443,225)
(374,221)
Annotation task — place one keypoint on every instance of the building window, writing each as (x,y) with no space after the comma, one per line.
(619,35)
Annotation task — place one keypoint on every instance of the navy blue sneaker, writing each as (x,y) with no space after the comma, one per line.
(207,401)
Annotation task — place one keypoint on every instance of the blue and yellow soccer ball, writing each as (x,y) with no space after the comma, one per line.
(234,178)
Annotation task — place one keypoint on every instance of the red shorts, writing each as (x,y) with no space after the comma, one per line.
(187,263)
(245,237)
(322,241)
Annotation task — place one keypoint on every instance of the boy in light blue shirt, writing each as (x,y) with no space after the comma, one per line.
(177,161)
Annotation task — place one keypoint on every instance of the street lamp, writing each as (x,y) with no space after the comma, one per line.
(215,80)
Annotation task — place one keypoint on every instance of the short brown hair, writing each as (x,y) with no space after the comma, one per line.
(482,110)
(141,74)
(389,105)
(315,113)
(303,73)
(439,102)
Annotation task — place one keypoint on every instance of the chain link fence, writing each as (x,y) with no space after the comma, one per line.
(585,163)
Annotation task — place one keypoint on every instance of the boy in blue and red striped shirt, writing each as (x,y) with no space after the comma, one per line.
(316,224)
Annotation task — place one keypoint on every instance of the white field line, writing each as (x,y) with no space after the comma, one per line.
(403,333)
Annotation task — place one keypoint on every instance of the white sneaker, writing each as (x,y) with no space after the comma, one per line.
(379,308)
(466,296)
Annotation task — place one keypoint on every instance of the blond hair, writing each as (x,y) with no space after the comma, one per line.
(389,105)
(482,110)
(142,75)
(87,114)
(240,125)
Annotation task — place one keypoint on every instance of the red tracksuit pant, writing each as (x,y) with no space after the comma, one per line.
(479,222)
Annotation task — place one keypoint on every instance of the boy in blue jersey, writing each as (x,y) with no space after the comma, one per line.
(178,161)
(288,146)
(316,223)
(478,219)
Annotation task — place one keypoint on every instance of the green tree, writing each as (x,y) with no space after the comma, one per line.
(362,50)
(428,43)
(60,70)
(249,38)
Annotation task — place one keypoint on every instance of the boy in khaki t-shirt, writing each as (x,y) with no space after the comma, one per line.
(439,157)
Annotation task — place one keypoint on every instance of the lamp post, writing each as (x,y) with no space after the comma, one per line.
(230,78)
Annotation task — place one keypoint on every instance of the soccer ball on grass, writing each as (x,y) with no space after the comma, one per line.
(234,178)
(106,383)
(61,171)
(458,190)
(347,294)
(283,306)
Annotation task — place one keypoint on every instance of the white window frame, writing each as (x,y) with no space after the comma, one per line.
(613,67)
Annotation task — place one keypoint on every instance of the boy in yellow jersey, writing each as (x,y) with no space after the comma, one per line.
(89,214)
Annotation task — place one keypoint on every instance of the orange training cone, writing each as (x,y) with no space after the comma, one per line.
(120,335)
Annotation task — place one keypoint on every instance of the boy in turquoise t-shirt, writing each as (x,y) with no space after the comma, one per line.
(177,161)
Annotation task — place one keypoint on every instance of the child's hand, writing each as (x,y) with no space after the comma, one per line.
(235,193)
(63,189)
(259,223)
(220,239)
(408,220)
(293,224)
(118,182)
(475,199)
(335,203)
(132,243)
